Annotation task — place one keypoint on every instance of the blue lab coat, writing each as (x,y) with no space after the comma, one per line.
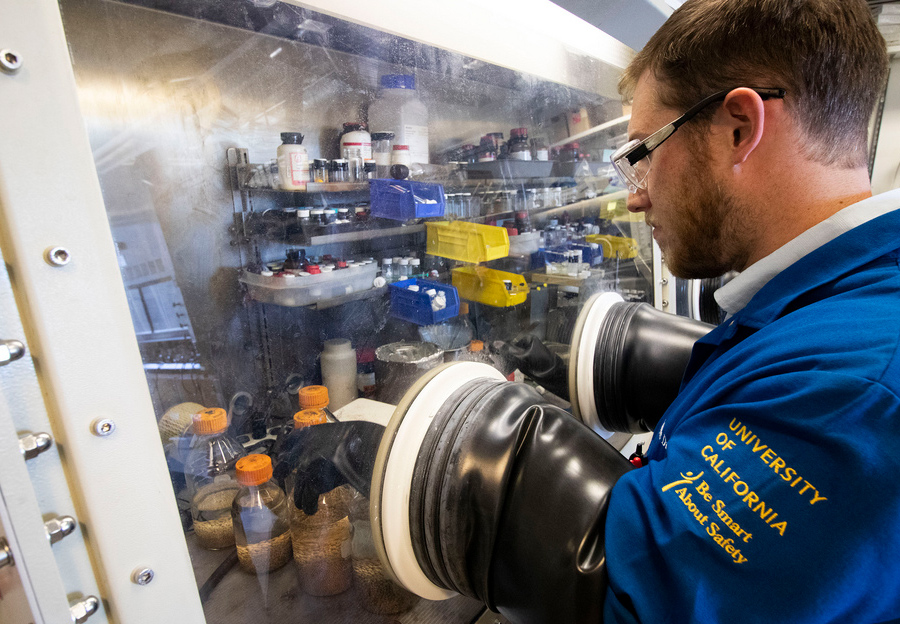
(772,492)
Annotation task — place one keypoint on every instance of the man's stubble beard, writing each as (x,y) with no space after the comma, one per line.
(710,231)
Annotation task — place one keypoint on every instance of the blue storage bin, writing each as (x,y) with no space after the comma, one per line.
(415,307)
(405,199)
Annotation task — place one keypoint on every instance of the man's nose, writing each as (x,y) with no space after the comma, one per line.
(638,202)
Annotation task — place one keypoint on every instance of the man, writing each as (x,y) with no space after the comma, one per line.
(771,489)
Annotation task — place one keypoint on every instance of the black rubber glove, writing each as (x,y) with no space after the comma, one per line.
(322,457)
(537,362)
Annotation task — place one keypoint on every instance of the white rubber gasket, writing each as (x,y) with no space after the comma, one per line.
(398,473)
(581,359)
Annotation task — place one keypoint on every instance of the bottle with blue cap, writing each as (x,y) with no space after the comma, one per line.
(398,109)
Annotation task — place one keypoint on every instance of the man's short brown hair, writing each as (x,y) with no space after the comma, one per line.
(827,54)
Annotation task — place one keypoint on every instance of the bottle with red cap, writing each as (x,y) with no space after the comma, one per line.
(260,514)
(518,144)
(211,478)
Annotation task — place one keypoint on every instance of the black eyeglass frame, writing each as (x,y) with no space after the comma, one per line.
(644,147)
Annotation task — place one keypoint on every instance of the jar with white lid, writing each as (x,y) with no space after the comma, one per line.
(398,109)
(400,155)
(293,162)
(356,138)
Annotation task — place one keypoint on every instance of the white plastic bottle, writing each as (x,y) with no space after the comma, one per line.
(339,372)
(399,110)
(293,162)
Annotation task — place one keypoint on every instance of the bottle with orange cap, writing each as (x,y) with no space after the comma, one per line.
(261,517)
(322,541)
(210,473)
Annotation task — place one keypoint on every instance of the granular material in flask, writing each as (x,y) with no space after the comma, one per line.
(213,527)
(265,556)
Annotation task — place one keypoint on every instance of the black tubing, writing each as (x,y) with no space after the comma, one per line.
(639,361)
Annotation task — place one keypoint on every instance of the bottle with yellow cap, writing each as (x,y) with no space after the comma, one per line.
(260,513)
(211,478)
(322,541)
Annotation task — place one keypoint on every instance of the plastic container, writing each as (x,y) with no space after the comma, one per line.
(490,286)
(261,517)
(339,372)
(402,200)
(211,479)
(468,242)
(293,162)
(416,306)
(400,155)
(398,109)
(308,289)
(356,138)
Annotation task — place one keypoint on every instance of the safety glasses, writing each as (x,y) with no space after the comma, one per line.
(632,160)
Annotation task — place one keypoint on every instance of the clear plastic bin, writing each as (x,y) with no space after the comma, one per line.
(301,291)
(467,242)
(490,286)
(402,200)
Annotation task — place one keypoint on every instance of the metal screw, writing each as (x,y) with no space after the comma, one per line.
(665,303)
(57,256)
(58,528)
(663,281)
(10,60)
(6,558)
(33,444)
(142,576)
(103,427)
(10,351)
(83,609)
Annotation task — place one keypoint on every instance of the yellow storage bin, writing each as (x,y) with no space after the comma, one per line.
(489,286)
(612,246)
(468,242)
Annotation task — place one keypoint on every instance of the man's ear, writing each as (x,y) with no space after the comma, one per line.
(743,115)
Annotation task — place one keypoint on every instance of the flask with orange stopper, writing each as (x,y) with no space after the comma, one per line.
(260,514)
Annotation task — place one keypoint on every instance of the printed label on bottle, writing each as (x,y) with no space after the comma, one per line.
(523,155)
(383,159)
(365,149)
(417,139)
(542,155)
(299,169)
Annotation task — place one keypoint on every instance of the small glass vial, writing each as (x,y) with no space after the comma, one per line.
(261,517)
(211,479)
(387,270)
(415,267)
(382,151)
(400,155)
(404,268)
(320,170)
(317,216)
(293,162)
(369,168)
(343,215)
(339,171)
